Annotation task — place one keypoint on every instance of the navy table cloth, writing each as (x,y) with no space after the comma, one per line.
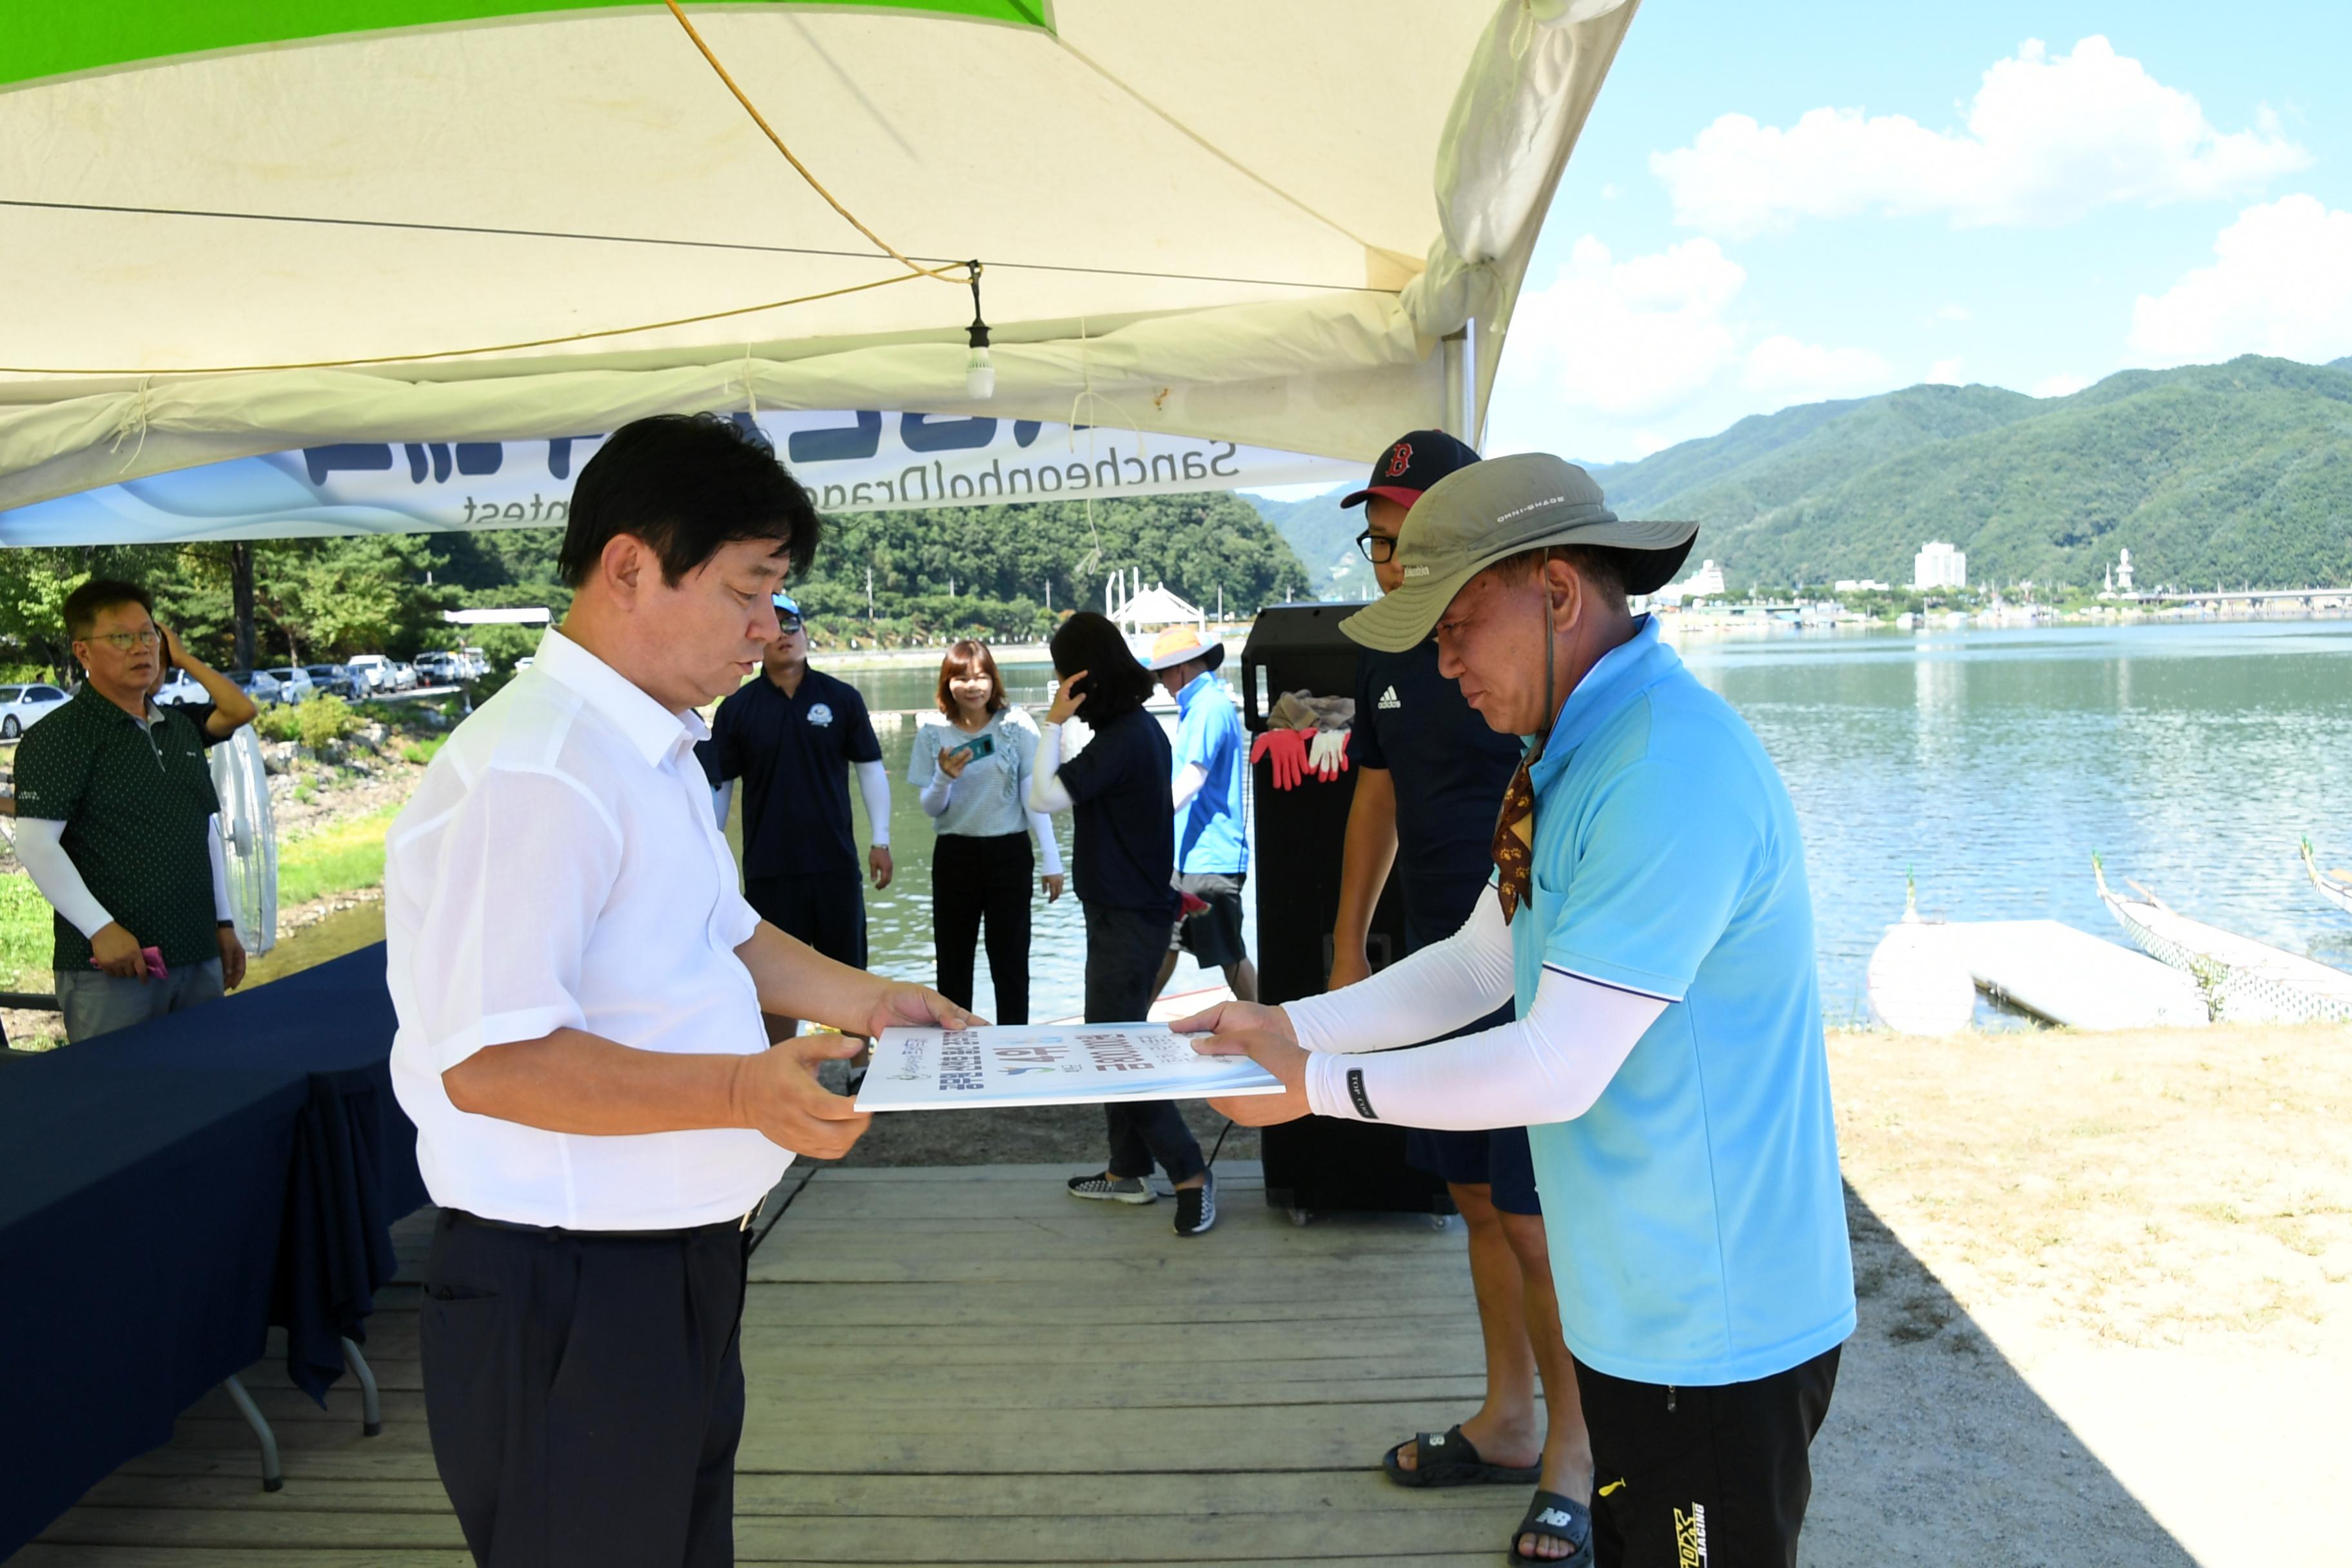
(167,1193)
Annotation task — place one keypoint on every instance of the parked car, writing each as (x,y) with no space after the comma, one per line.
(334,680)
(522,664)
(372,667)
(180,689)
(441,669)
(478,663)
(22,706)
(294,683)
(257,684)
(405,677)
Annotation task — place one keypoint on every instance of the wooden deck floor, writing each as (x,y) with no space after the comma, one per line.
(948,1365)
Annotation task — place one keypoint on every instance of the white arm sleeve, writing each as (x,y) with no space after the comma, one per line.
(1189,780)
(1045,792)
(1435,992)
(45,859)
(1549,1065)
(874,787)
(222,908)
(934,794)
(720,799)
(1049,853)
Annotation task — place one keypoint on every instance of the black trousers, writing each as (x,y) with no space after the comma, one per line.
(584,1393)
(1715,1475)
(826,909)
(1124,948)
(974,879)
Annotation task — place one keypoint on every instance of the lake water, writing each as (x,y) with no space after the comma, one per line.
(1992,763)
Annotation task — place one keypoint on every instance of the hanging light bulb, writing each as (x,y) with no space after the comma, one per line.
(979,369)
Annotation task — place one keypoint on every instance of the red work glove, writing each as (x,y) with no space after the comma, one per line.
(1191,904)
(1287,749)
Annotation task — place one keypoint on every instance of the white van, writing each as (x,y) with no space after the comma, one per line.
(373,668)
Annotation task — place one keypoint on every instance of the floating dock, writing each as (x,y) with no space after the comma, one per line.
(2068,976)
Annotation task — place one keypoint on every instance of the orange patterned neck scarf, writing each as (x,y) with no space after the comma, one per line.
(1515,837)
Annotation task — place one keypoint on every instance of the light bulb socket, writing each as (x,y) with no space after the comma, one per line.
(979,369)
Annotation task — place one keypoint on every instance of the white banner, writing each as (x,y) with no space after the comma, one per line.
(861,460)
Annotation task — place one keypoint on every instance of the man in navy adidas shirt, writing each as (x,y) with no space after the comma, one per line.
(1430,774)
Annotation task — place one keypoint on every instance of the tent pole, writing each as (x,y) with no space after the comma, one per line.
(1462,382)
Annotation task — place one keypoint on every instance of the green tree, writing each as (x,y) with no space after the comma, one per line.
(338,596)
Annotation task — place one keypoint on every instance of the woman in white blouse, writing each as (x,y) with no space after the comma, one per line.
(972,765)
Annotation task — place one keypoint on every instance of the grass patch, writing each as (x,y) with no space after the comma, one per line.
(28,934)
(338,859)
(425,751)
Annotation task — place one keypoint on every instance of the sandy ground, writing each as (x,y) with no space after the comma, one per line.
(2106,1289)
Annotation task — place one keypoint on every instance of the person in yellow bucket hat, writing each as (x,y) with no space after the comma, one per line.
(1211,758)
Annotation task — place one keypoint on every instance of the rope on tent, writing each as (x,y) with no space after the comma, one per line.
(943,273)
(134,418)
(1090,562)
(459,353)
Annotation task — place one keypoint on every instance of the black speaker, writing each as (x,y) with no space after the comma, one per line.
(1318,1163)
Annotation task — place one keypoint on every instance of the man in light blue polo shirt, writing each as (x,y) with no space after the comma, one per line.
(1651,925)
(1211,758)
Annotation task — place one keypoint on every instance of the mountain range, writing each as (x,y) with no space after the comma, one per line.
(2212,475)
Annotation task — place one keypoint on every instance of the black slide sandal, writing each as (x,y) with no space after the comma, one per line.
(1560,1518)
(1449,1459)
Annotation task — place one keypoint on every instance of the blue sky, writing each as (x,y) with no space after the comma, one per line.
(1931,193)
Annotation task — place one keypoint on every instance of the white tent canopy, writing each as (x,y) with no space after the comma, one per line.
(1225,220)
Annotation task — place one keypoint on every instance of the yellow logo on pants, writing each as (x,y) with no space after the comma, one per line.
(1690,1536)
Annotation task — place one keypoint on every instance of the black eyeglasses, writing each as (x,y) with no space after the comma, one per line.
(1378,548)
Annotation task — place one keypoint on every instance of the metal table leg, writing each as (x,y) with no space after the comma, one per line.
(371,1407)
(272,1479)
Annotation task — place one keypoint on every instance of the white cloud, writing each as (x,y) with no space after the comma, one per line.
(1804,372)
(1627,338)
(1617,358)
(2064,384)
(2281,283)
(1953,313)
(2046,141)
(1946,371)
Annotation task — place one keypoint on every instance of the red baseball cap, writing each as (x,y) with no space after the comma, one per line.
(1412,463)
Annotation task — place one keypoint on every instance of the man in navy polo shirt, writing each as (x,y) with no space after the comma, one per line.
(1652,926)
(793,734)
(1429,777)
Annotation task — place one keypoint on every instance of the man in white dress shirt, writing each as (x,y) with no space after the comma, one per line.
(579,984)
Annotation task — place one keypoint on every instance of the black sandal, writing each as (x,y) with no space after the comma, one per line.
(1450,1459)
(1556,1518)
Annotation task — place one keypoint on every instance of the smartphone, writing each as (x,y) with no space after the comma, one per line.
(974,750)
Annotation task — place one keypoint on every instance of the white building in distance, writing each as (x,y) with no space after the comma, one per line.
(1860,586)
(1938,565)
(1707,582)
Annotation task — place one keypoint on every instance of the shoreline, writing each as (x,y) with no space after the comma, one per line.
(1719,618)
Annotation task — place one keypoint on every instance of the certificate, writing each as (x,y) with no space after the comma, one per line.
(1053,1064)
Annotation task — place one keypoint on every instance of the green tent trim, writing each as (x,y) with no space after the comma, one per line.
(44,38)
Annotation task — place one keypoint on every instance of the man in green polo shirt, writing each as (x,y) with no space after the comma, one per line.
(115,824)
(1651,925)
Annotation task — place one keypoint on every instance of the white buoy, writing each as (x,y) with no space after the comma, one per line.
(1919,982)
